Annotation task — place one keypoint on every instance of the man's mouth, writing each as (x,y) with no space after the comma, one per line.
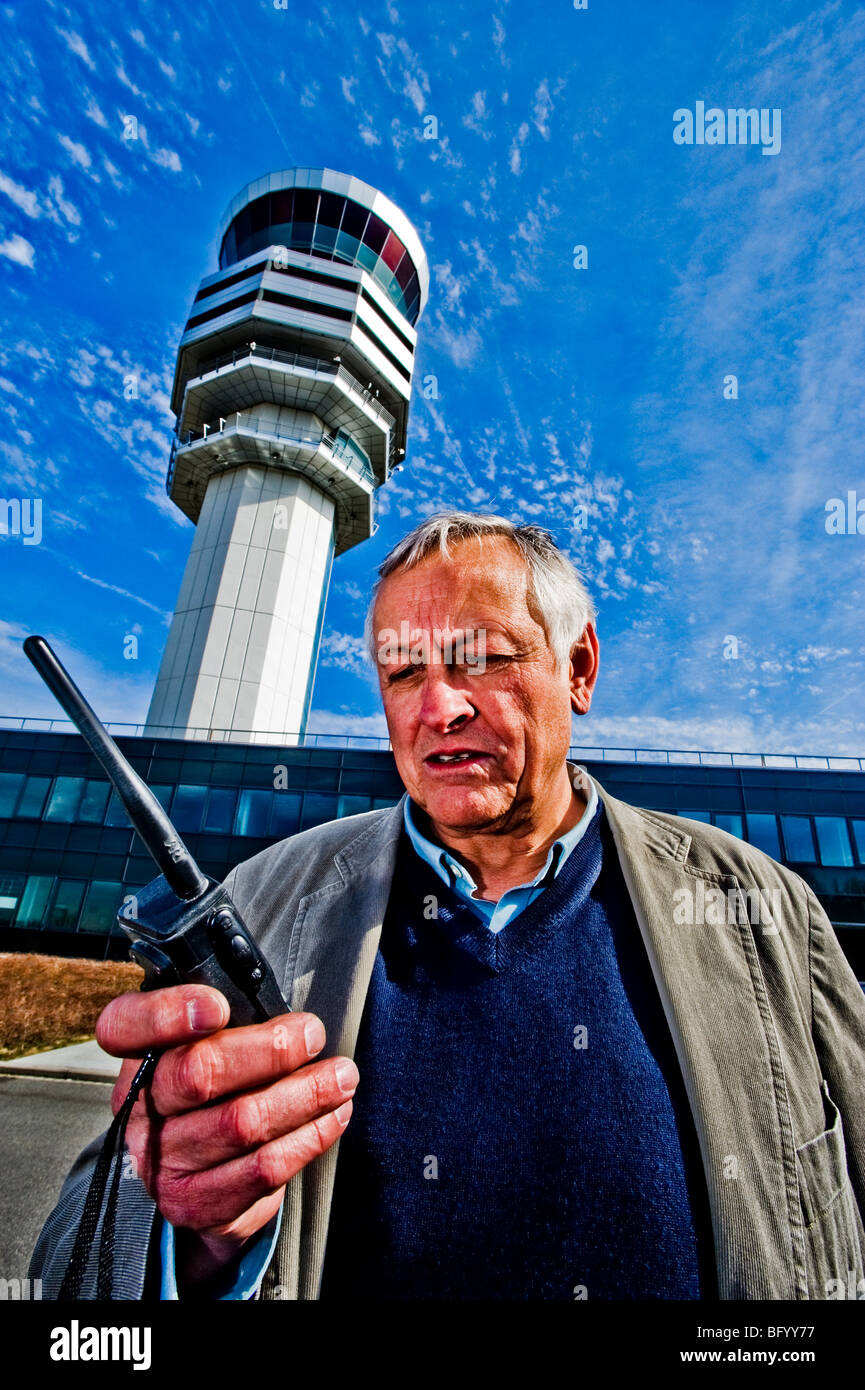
(462,755)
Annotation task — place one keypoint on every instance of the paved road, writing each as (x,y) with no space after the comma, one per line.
(44,1125)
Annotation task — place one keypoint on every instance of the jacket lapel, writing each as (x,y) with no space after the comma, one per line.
(333,946)
(714,997)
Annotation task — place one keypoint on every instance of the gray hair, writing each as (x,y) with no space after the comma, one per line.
(557,597)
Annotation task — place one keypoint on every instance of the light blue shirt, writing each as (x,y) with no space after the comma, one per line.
(255,1261)
(515,900)
(250,1271)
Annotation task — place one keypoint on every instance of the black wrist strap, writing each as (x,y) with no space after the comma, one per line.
(112,1152)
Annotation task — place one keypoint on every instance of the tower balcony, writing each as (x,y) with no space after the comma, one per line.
(241,379)
(331,461)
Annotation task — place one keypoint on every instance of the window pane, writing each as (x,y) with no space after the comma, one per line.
(380,803)
(163,795)
(834,841)
(375,233)
(93,802)
(103,899)
(317,808)
(798,840)
(353,805)
(305,205)
(116,815)
(366,257)
(34,901)
(253,813)
(220,810)
(11,888)
(325,237)
(188,808)
(405,272)
(281,205)
(763,832)
(330,206)
(259,213)
(33,796)
(731,823)
(347,246)
(859,837)
(696,815)
(63,913)
(285,817)
(10,785)
(393,251)
(63,802)
(354,219)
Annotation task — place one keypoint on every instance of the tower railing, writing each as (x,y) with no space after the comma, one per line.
(255,425)
(309,364)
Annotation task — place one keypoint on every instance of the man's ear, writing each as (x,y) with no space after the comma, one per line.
(583,670)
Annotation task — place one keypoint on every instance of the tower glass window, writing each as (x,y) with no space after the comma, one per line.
(329,225)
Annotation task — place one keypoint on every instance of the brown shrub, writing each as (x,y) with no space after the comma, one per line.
(49,1001)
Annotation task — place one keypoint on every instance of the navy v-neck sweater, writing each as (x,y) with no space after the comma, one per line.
(520,1129)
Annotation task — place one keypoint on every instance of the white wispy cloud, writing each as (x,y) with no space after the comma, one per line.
(76,45)
(18,249)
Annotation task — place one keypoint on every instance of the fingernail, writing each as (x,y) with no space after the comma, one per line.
(204,1014)
(346,1076)
(342,1114)
(314,1036)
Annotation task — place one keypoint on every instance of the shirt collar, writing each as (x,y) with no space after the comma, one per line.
(449,868)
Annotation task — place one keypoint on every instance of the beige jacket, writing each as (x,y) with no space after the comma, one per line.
(767,1018)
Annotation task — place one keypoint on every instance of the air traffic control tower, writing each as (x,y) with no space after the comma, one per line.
(291,395)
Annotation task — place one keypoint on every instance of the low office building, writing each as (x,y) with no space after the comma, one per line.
(68,856)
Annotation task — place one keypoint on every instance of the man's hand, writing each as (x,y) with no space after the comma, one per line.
(230,1114)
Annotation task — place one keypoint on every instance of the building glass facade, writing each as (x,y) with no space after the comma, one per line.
(68,856)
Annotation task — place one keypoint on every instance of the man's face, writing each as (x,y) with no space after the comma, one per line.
(510,711)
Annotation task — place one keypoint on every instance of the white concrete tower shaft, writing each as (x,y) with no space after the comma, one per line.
(291,394)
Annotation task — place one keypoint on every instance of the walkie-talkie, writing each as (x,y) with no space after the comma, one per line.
(183,927)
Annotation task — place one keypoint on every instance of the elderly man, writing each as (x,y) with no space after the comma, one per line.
(548,1078)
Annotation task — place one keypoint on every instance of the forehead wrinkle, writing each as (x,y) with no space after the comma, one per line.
(437,590)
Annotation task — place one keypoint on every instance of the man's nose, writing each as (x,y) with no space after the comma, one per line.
(445,706)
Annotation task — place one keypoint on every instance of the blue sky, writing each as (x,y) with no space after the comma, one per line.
(558,387)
